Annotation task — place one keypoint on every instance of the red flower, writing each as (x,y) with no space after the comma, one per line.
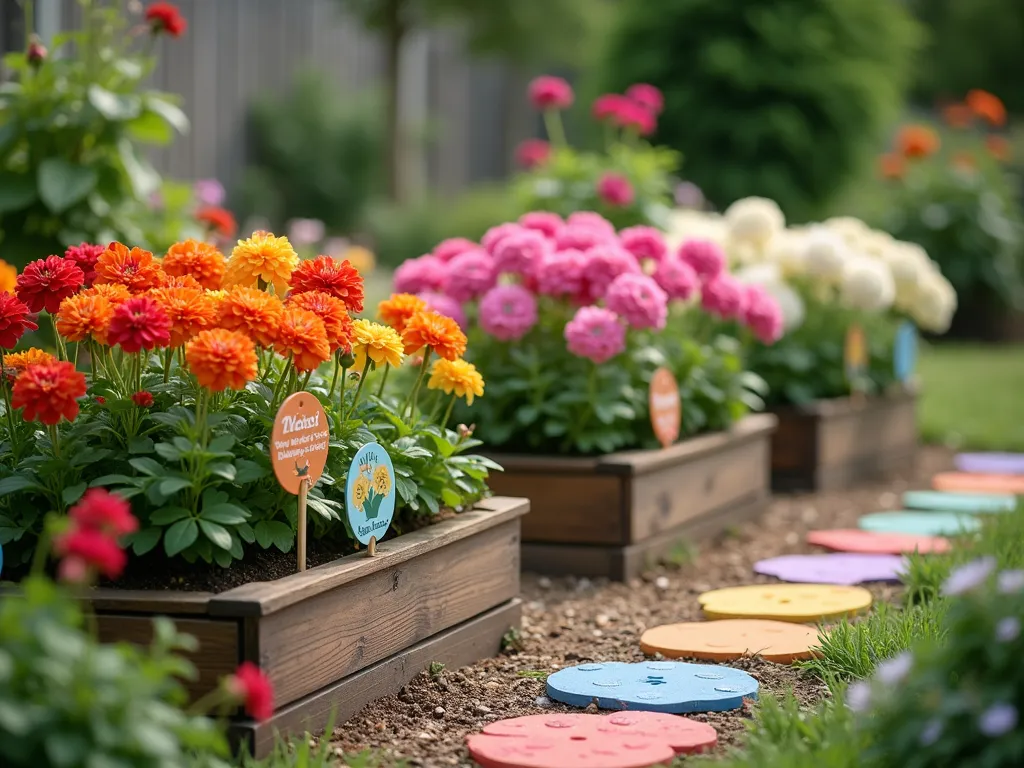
(14,320)
(101,400)
(101,510)
(143,399)
(165,17)
(547,92)
(139,323)
(36,52)
(338,278)
(647,96)
(85,549)
(85,256)
(45,283)
(254,688)
(615,190)
(219,220)
(49,392)
(624,112)
(533,152)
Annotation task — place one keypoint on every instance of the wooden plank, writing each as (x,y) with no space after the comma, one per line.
(266,598)
(877,425)
(344,629)
(477,638)
(168,603)
(552,465)
(795,442)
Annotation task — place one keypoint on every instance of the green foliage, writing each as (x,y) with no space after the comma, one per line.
(782,99)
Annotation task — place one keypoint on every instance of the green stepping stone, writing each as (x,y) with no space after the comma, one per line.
(951,501)
(920,523)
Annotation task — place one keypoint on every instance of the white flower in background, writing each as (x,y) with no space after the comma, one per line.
(686,225)
(876,244)
(934,302)
(824,254)
(754,218)
(741,253)
(867,285)
(769,277)
(788,250)
(851,229)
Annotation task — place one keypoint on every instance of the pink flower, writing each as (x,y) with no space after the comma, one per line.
(639,300)
(470,274)
(644,243)
(724,297)
(647,96)
(507,312)
(521,253)
(495,235)
(561,273)
(448,249)
(445,305)
(252,687)
(615,190)
(763,315)
(547,92)
(603,264)
(607,106)
(706,257)
(676,278)
(580,237)
(103,511)
(595,333)
(532,153)
(427,273)
(629,114)
(545,222)
(592,220)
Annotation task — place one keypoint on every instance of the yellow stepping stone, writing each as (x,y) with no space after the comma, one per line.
(778,641)
(785,602)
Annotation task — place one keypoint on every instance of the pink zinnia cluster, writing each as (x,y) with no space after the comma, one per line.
(508,312)
(638,299)
(544,222)
(604,263)
(615,190)
(448,249)
(705,256)
(580,237)
(644,243)
(521,253)
(493,236)
(426,273)
(533,153)
(469,275)
(548,92)
(762,315)
(561,273)
(724,297)
(595,333)
(637,110)
(677,278)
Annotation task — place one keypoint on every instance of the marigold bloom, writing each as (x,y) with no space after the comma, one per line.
(135,269)
(189,309)
(8,277)
(101,510)
(957,115)
(998,147)
(218,220)
(48,392)
(14,320)
(85,255)
(252,312)
(381,343)
(221,359)
(338,278)
(165,17)
(181,281)
(457,376)
(115,293)
(45,283)
(139,323)
(196,259)
(892,165)
(84,317)
(303,335)
(253,687)
(16,362)
(434,330)
(263,257)
(332,311)
(396,310)
(917,141)
(987,106)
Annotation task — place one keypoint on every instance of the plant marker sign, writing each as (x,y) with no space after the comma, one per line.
(855,358)
(298,452)
(666,409)
(370,495)
(904,352)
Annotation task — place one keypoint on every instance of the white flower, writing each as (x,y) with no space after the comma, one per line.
(755,219)
(858,696)
(824,254)
(851,229)
(892,671)
(788,250)
(968,577)
(867,285)
(694,225)
(934,302)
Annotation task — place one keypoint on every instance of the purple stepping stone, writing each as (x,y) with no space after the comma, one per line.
(835,568)
(991,463)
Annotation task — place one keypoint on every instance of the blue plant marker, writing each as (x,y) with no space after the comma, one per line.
(370,493)
(653,686)
(904,353)
(920,523)
(952,501)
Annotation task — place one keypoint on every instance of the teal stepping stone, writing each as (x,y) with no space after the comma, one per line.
(951,501)
(920,523)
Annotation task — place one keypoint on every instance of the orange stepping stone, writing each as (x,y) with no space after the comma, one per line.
(872,543)
(728,639)
(799,603)
(975,483)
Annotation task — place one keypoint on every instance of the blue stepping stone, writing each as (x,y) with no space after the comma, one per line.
(920,523)
(952,501)
(653,686)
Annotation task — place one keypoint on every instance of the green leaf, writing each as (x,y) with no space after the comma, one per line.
(144,179)
(73,493)
(171,113)
(274,532)
(150,128)
(221,443)
(114,106)
(147,466)
(168,452)
(16,483)
(172,485)
(62,184)
(223,469)
(247,471)
(245,531)
(168,515)
(180,536)
(17,191)
(111,480)
(140,445)
(144,541)
(228,514)
(216,533)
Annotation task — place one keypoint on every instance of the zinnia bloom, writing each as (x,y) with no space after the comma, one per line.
(561,273)
(545,222)
(303,335)
(45,283)
(218,220)
(706,257)
(143,399)
(115,293)
(190,310)
(100,510)
(615,190)
(434,330)
(492,237)
(639,300)
(49,392)
(532,153)
(470,274)
(547,92)
(917,141)
(139,323)
(165,17)
(426,273)
(263,257)
(521,253)
(396,310)
(197,259)
(85,256)
(85,549)
(595,333)
(84,317)
(647,96)
(8,277)
(456,376)
(14,320)
(221,359)
(724,297)
(337,278)
(448,249)
(381,343)
(602,265)
(253,688)
(252,312)
(957,115)
(763,315)
(644,243)
(676,278)
(135,269)
(332,311)
(891,165)
(16,362)
(508,312)
(987,106)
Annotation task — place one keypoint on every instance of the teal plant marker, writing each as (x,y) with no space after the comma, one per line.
(920,523)
(904,353)
(952,501)
(370,495)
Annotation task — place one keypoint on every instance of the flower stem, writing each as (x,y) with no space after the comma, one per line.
(305,379)
(383,380)
(448,412)
(11,426)
(411,402)
(359,389)
(337,370)
(62,352)
(554,128)
(281,378)
(168,358)
(52,429)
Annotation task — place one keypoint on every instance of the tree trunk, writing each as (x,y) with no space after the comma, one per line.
(394,35)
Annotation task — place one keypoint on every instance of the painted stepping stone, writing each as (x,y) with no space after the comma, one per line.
(652,686)
(730,639)
(619,740)
(965,481)
(990,463)
(835,568)
(869,542)
(951,501)
(920,523)
(785,602)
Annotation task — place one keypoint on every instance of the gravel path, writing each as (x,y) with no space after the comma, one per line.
(568,621)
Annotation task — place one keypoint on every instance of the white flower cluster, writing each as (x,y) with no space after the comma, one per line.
(842,258)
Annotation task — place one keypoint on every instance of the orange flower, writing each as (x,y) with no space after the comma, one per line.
(181,281)
(217,220)
(332,311)
(200,260)
(17,362)
(115,293)
(434,330)
(892,165)
(84,317)
(189,309)
(8,277)
(303,334)
(397,310)
(917,141)
(957,115)
(998,147)
(252,312)
(338,278)
(263,257)
(987,106)
(135,269)
(49,392)
(963,161)
(221,359)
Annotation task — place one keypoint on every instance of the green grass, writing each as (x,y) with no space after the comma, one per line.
(972,397)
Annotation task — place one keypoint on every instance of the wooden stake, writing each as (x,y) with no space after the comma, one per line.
(303,490)
(371,548)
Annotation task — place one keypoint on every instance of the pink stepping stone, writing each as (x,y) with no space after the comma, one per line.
(869,542)
(979,483)
(990,463)
(618,740)
(836,568)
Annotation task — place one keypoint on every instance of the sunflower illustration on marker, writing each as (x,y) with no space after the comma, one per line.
(360,491)
(381,480)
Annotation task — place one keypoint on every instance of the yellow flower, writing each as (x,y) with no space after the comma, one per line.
(262,257)
(361,258)
(8,277)
(457,376)
(381,343)
(360,490)
(381,480)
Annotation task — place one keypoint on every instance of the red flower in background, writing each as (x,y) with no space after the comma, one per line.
(143,399)
(14,320)
(218,220)
(85,256)
(254,689)
(45,283)
(917,141)
(987,106)
(625,113)
(332,276)
(957,115)
(86,549)
(647,96)
(532,153)
(891,165)
(165,17)
(103,511)
(49,392)
(615,190)
(139,323)
(998,147)
(547,92)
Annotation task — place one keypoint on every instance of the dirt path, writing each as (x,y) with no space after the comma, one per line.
(567,621)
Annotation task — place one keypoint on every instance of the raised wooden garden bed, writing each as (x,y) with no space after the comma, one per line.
(835,444)
(619,514)
(336,637)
